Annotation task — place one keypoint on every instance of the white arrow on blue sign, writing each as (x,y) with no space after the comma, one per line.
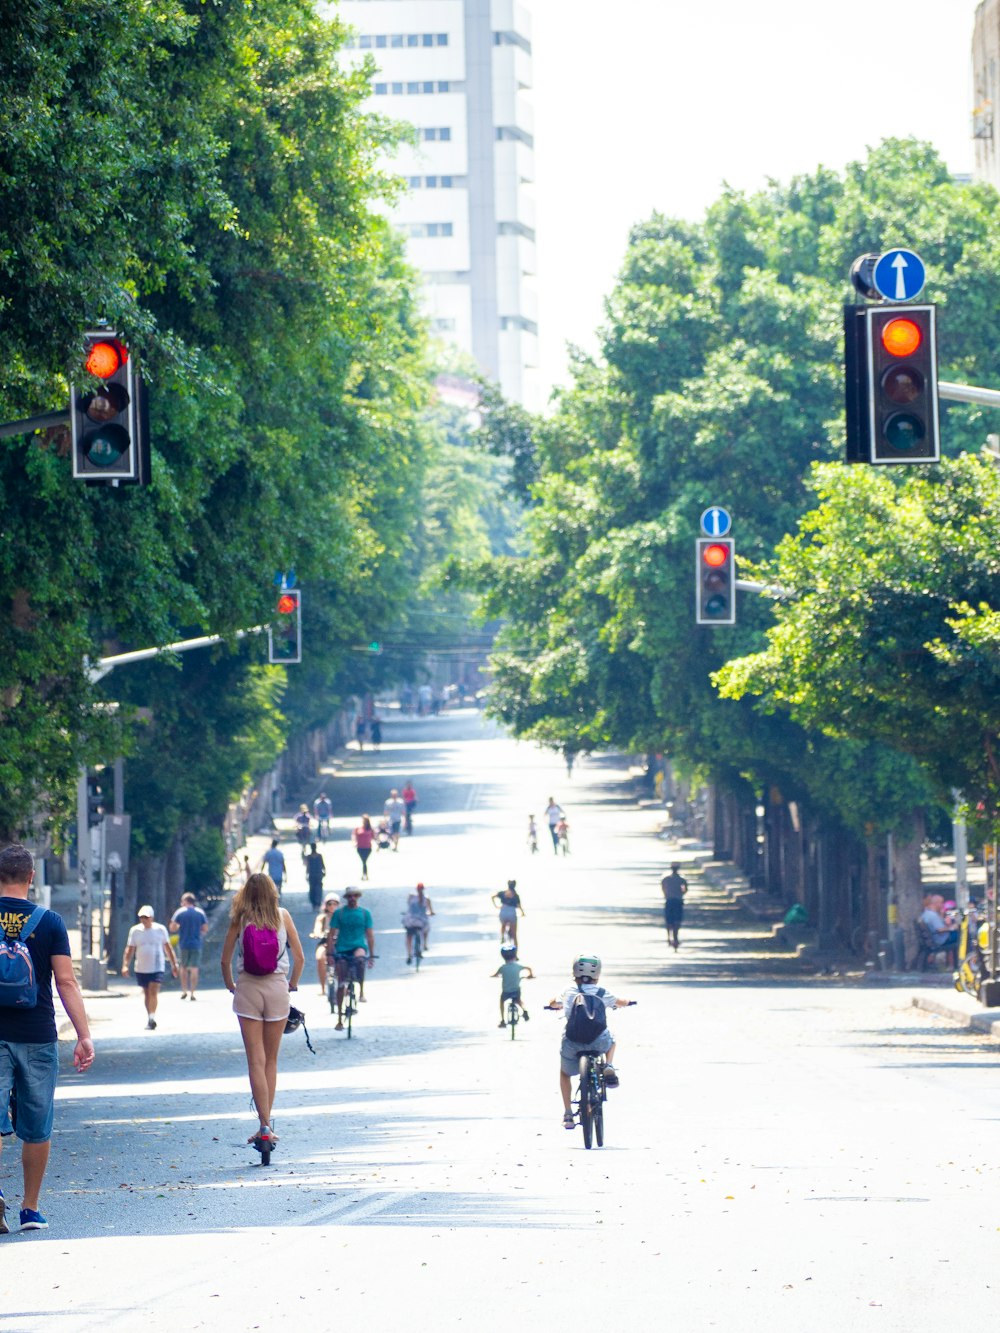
(899,275)
(716,522)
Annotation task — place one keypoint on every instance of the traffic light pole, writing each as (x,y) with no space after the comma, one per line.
(93,969)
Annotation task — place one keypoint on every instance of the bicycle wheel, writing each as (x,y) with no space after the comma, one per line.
(331,994)
(418,949)
(512,1017)
(598,1102)
(586,1107)
(349,1009)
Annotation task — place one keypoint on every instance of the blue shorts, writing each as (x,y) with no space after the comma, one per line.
(569,1051)
(145,979)
(31,1067)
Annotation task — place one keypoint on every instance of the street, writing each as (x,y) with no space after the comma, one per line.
(783,1153)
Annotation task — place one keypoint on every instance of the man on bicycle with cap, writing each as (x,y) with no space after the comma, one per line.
(350,944)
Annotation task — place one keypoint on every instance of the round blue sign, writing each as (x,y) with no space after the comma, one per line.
(899,275)
(716,522)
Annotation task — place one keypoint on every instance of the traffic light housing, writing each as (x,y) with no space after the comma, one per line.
(715,581)
(96,809)
(891,390)
(105,417)
(284,635)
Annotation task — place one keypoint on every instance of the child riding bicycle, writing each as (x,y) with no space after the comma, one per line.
(509,973)
(584,1005)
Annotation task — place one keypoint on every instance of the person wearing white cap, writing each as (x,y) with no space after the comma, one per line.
(150,944)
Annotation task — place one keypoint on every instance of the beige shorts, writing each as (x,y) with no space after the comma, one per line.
(262,997)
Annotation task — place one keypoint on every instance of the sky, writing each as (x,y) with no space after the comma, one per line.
(644,105)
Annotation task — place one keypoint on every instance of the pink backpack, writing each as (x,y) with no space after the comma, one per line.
(261,950)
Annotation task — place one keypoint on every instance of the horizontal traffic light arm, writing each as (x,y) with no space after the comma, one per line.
(969,393)
(26,425)
(104,665)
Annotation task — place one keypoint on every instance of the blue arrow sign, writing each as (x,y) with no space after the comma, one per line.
(716,522)
(899,275)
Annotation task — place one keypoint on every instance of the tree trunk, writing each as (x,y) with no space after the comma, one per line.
(906,879)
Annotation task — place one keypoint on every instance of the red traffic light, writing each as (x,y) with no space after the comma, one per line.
(715,555)
(105,359)
(288,604)
(902,337)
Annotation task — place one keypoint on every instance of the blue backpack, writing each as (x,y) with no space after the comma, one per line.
(18,983)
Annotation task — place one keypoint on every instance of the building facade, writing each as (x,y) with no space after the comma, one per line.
(459,72)
(986,90)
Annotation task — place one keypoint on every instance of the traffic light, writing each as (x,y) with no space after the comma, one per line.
(891,384)
(715,581)
(104,413)
(95,800)
(375,647)
(284,635)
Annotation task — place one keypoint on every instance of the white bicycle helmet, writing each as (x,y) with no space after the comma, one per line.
(586,967)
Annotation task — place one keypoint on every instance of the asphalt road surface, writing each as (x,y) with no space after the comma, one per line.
(782,1154)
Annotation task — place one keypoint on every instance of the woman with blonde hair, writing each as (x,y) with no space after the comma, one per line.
(265,945)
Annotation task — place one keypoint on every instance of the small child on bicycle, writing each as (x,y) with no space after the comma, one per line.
(509,973)
(586,1027)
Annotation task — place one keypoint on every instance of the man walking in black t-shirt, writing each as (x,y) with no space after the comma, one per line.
(674,887)
(29,1060)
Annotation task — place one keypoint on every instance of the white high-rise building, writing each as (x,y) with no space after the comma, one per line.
(459,71)
(986,85)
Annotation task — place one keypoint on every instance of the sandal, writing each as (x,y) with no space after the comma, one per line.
(568,1121)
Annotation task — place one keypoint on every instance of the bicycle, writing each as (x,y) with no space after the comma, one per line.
(355,968)
(416,935)
(513,1017)
(591,1094)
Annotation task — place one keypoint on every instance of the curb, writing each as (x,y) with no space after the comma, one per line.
(963,1010)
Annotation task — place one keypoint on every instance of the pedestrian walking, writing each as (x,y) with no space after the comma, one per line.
(150,944)
(273,863)
(360,731)
(29,1058)
(674,887)
(265,946)
(315,874)
(190,924)
(363,837)
(553,813)
(376,733)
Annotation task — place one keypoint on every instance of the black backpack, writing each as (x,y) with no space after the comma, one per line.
(587,1018)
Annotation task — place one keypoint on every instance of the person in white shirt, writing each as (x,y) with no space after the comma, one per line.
(150,944)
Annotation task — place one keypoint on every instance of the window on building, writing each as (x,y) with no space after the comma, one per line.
(518,322)
(514,133)
(365,43)
(381,40)
(443,325)
(428,86)
(396,39)
(445,135)
(512,39)
(515,229)
(419,230)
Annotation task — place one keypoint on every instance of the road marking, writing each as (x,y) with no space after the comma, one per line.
(473,797)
